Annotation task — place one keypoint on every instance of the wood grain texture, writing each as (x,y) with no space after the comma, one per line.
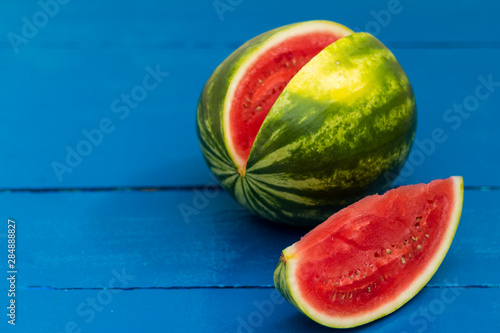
(149,267)
(75,239)
(238,310)
(52,96)
(148,23)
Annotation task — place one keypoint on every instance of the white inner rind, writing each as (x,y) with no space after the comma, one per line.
(415,287)
(294,31)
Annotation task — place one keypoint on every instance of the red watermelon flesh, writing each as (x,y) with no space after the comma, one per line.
(370,258)
(264,80)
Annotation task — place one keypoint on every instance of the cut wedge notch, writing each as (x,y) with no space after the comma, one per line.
(257,85)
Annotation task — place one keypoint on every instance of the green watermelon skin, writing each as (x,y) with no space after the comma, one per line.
(393,277)
(342,123)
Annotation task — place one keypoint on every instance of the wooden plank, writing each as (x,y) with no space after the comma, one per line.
(75,239)
(237,310)
(52,96)
(200,24)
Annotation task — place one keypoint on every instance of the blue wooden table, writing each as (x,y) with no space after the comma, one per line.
(96,182)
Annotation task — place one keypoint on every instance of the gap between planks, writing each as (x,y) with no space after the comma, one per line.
(232,45)
(430,286)
(167,188)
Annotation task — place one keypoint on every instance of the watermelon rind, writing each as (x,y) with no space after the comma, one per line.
(285,277)
(344,121)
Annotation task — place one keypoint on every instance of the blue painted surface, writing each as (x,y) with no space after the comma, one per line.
(212,272)
(147,233)
(242,310)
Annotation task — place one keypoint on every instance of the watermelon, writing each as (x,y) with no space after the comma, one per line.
(370,258)
(306,119)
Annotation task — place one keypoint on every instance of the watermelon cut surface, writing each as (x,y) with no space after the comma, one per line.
(370,258)
(262,82)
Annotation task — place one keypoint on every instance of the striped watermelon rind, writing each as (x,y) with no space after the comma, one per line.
(398,218)
(344,120)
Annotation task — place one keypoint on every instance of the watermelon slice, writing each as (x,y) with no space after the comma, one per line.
(372,257)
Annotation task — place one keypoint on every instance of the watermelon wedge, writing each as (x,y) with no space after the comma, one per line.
(370,258)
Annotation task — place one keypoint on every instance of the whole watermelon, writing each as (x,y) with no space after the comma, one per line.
(305,119)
